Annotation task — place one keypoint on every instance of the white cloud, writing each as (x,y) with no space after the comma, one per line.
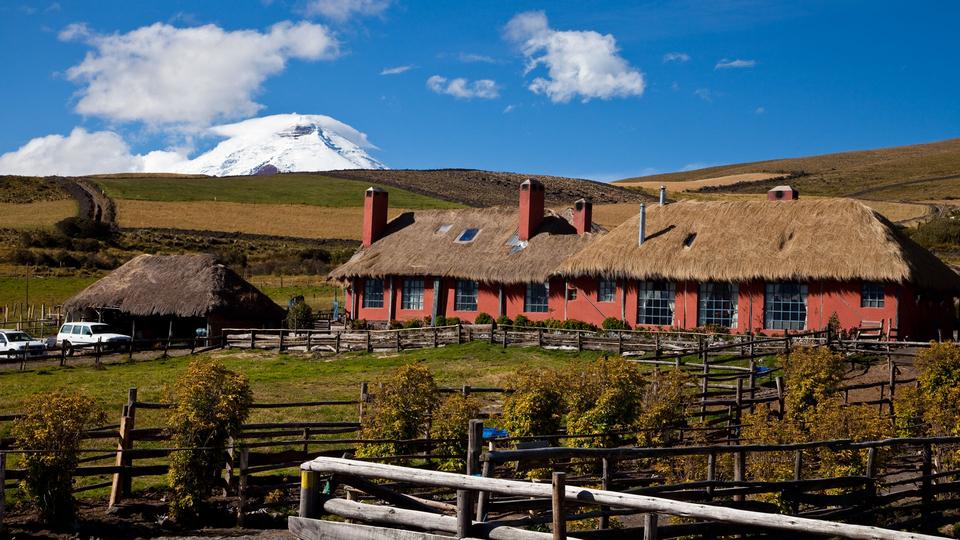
(471,58)
(83,152)
(734,64)
(464,89)
(679,57)
(705,94)
(187,77)
(74,31)
(341,10)
(509,109)
(579,63)
(760,110)
(396,70)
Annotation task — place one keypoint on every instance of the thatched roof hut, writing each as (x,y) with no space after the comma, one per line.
(737,241)
(184,286)
(426,244)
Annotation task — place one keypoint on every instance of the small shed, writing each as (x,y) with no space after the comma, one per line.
(189,294)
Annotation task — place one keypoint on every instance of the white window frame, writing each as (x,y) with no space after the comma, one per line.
(607,290)
(716,309)
(411,295)
(370,294)
(466,300)
(528,299)
(656,296)
(778,301)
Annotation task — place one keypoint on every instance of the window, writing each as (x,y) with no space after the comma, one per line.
(871,294)
(535,301)
(717,305)
(785,306)
(373,293)
(466,296)
(607,290)
(655,303)
(67,328)
(86,331)
(571,293)
(77,330)
(468,235)
(412,295)
(444,229)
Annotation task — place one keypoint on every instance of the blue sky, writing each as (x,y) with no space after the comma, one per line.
(592,89)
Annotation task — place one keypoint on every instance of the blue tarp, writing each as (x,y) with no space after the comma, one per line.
(491,432)
(762,369)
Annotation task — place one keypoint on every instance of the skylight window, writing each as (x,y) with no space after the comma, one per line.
(468,235)
(444,229)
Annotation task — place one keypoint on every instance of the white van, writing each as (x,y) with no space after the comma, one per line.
(88,333)
(15,343)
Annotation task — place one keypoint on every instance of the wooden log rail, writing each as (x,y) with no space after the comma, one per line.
(98,351)
(562,495)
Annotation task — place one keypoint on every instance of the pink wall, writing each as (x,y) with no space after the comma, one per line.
(915,316)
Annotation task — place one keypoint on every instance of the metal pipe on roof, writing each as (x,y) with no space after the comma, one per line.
(643,224)
(663,195)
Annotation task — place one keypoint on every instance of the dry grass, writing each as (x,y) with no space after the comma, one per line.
(611,215)
(36,214)
(690,185)
(897,212)
(269,219)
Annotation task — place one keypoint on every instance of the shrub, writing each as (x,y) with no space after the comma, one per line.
(400,411)
(395,325)
(451,421)
(210,405)
(573,324)
(299,316)
(933,408)
(483,318)
(412,323)
(451,321)
(77,227)
(812,375)
(536,406)
(359,324)
(603,396)
(613,323)
(442,321)
(54,423)
(663,407)
(503,320)
(520,320)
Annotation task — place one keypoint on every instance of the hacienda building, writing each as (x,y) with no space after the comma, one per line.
(747,265)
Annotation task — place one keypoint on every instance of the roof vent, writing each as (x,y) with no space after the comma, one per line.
(688,241)
(783,193)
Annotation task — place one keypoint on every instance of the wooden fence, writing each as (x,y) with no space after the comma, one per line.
(464,505)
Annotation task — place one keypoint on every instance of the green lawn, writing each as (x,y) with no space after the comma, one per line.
(43,290)
(277,378)
(293,188)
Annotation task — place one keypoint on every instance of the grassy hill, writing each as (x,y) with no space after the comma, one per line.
(920,172)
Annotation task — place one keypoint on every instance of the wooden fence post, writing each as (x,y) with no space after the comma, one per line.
(310,337)
(63,354)
(711,472)
(779,382)
(97,350)
(310,495)
(120,477)
(753,382)
(397,334)
(657,349)
(336,343)
(579,344)
(280,347)
(483,499)
(650,527)
(253,338)
(464,522)
(369,342)
(739,466)
(559,495)
(3,480)
(605,484)
(364,397)
(620,343)
(926,489)
(242,485)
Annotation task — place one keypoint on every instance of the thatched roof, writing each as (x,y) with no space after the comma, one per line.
(829,239)
(424,244)
(179,285)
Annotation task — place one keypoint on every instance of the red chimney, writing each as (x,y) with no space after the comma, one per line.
(583,216)
(374,215)
(531,208)
(783,193)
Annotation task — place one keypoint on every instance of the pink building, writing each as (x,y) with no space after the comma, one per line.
(758,265)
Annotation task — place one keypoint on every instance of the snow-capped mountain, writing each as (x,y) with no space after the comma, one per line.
(284,143)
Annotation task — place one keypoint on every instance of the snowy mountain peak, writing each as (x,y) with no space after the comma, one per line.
(284,143)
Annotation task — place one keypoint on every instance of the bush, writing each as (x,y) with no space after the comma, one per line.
(483,318)
(77,227)
(520,320)
(536,406)
(933,408)
(400,411)
(441,321)
(300,316)
(573,324)
(412,323)
(613,323)
(451,421)
(663,407)
(603,396)
(812,375)
(54,423)
(503,320)
(210,405)
(395,325)
(359,324)
(451,321)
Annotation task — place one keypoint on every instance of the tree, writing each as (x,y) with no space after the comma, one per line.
(402,407)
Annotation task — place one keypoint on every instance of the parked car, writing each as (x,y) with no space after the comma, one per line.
(14,343)
(85,334)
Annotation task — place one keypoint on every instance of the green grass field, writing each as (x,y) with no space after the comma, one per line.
(278,378)
(43,290)
(295,188)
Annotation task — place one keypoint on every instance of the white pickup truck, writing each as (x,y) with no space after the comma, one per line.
(14,343)
(85,334)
